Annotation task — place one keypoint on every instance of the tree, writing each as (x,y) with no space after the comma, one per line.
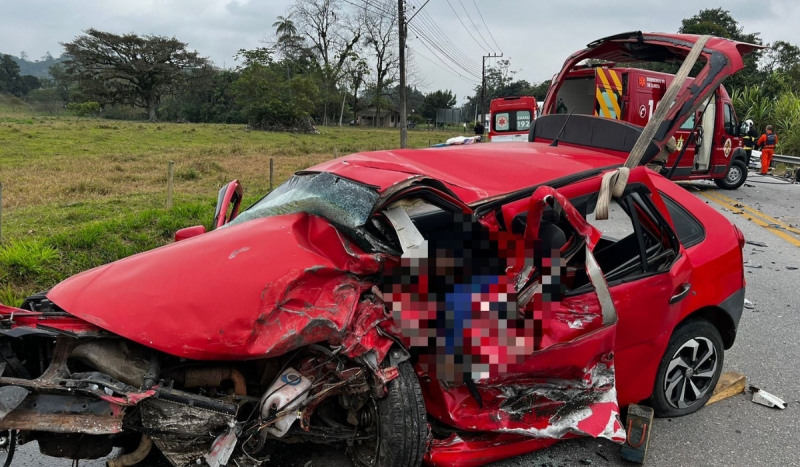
(268,100)
(719,22)
(381,40)
(11,81)
(356,71)
(437,100)
(332,35)
(131,69)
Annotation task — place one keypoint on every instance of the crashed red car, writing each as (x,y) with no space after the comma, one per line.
(278,326)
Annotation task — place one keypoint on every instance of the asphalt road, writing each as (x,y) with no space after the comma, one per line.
(733,432)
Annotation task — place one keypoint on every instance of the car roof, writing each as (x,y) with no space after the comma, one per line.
(473,172)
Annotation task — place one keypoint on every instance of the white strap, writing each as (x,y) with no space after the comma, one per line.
(613,184)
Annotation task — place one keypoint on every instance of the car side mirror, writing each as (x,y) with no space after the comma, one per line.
(189,232)
(228,199)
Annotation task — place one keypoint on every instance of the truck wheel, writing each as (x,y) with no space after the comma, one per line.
(402,424)
(735,177)
(689,370)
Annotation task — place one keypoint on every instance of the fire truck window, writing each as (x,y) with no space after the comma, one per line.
(501,122)
(730,123)
(523,120)
(688,124)
(578,95)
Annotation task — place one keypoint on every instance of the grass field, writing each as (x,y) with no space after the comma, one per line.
(78,193)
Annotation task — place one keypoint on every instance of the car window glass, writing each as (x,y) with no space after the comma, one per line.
(689,230)
(343,202)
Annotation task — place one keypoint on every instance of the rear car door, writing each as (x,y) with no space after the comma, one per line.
(650,280)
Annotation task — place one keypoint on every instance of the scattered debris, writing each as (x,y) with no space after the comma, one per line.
(766,399)
(729,385)
(640,421)
(753,266)
(792,268)
(755,243)
(748,304)
(737,205)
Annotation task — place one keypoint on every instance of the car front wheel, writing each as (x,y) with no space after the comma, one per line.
(689,370)
(735,177)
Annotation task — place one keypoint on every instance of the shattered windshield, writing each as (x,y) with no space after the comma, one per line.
(345,203)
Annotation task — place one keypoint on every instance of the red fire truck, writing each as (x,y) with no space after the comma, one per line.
(511,118)
(714,152)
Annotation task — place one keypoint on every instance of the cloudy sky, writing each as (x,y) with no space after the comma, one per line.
(536,35)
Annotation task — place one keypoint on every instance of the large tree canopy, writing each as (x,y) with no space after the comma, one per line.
(133,69)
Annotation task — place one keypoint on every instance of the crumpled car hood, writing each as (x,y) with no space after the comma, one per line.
(226,295)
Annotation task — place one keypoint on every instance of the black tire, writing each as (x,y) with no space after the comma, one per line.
(9,445)
(734,177)
(674,394)
(403,425)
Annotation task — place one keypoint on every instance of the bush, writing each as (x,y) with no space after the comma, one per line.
(416,119)
(85,109)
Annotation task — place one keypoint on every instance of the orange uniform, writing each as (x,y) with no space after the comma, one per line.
(767,144)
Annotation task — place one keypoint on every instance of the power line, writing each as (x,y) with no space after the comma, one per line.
(427,42)
(447,46)
(425,39)
(428,26)
(448,69)
(466,28)
(487,26)
(473,24)
(366,4)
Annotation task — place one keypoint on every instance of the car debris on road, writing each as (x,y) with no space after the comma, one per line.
(764,398)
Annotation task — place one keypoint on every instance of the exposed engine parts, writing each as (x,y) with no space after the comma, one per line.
(83,395)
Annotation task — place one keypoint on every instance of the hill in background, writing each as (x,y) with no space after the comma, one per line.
(38,68)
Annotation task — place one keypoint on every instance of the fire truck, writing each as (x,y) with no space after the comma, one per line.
(713,137)
(511,118)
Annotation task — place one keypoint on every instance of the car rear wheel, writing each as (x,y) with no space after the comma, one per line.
(735,177)
(689,370)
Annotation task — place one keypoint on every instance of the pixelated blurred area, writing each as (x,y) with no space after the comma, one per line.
(455,299)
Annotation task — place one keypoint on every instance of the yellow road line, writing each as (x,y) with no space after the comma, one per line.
(760,214)
(780,233)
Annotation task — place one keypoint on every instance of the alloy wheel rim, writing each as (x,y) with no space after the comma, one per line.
(690,373)
(734,174)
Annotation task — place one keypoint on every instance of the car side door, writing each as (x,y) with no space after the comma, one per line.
(650,279)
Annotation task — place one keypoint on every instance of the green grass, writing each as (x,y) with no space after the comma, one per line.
(79,193)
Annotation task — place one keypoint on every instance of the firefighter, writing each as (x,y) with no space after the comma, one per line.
(749,139)
(767,144)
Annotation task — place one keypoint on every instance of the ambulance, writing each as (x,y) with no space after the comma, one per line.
(713,146)
(511,117)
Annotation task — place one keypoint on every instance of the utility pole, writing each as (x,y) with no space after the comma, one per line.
(401,26)
(483,89)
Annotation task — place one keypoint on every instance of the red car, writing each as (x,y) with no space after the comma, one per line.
(286,323)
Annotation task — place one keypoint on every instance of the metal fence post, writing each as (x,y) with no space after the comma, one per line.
(170,177)
(1,212)
(271,171)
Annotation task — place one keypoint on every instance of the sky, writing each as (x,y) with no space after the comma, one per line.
(536,35)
